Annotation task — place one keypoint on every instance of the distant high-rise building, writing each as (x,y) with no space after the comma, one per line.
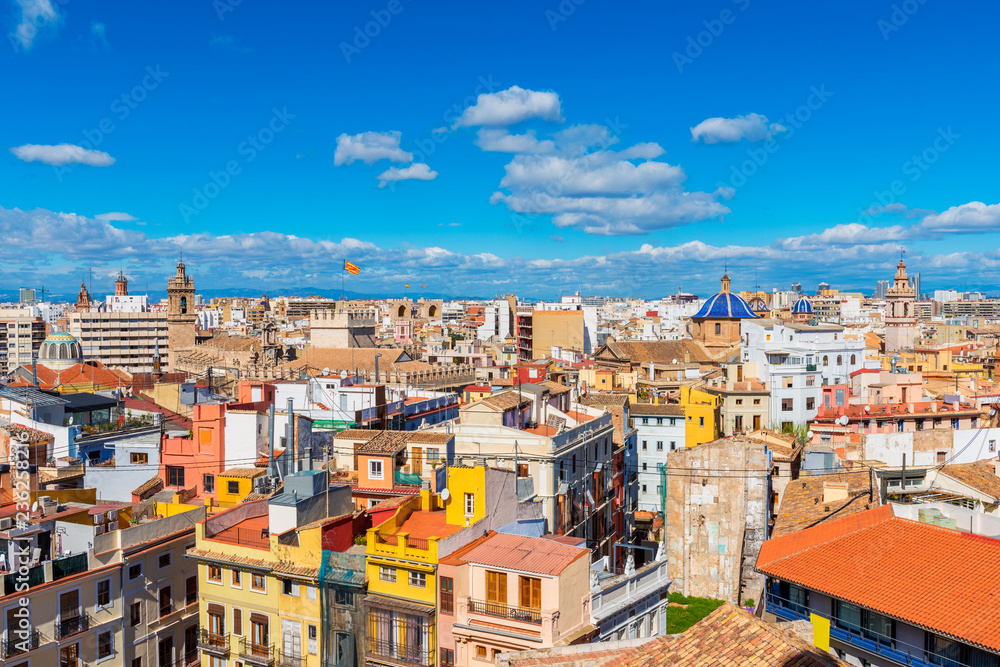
(27,295)
(882,288)
(823,287)
(797,288)
(915,284)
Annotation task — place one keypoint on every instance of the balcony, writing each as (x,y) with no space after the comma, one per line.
(810,368)
(14,647)
(74,625)
(256,654)
(247,537)
(414,655)
(499,610)
(291,660)
(217,645)
(191,658)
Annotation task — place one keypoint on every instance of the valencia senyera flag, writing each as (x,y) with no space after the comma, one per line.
(351,268)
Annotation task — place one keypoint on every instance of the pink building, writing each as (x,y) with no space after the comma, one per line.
(513,593)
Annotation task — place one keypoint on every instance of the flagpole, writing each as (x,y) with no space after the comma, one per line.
(343,267)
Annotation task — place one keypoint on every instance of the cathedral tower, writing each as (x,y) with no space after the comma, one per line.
(181,316)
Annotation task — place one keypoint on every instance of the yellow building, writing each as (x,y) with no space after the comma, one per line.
(700,410)
(402,559)
(234,485)
(262,599)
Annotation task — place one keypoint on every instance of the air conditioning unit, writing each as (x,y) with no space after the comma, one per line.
(6,523)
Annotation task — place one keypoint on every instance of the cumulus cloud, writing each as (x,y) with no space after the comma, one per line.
(370,147)
(416,171)
(36,15)
(62,154)
(116,217)
(971,218)
(501,141)
(511,106)
(752,127)
(853,233)
(49,246)
(604,192)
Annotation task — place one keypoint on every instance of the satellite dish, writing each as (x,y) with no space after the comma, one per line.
(445,494)
(844,420)
(992,412)
(674,361)
(809,435)
(343,375)
(868,408)
(326,370)
(34,506)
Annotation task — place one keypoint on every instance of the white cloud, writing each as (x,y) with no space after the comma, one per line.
(62,154)
(370,147)
(853,233)
(579,138)
(116,217)
(752,127)
(501,141)
(416,171)
(511,106)
(971,218)
(35,15)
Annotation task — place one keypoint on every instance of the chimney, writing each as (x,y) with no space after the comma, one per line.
(290,440)
(34,370)
(272,470)
(833,491)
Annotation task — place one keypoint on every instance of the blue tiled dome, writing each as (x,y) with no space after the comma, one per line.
(725,304)
(802,306)
(758,305)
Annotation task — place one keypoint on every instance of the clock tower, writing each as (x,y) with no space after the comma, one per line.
(181,316)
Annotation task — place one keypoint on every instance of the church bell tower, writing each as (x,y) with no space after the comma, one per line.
(181,316)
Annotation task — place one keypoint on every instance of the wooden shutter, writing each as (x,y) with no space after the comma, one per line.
(237,621)
(69,605)
(536,593)
(525,592)
(496,587)
(502,587)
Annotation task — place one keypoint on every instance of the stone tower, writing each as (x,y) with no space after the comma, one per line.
(181,317)
(83,298)
(900,319)
(121,285)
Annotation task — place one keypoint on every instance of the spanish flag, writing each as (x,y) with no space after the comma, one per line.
(407,285)
(351,268)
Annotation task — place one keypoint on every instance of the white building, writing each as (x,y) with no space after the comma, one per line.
(209,318)
(797,361)
(498,321)
(659,431)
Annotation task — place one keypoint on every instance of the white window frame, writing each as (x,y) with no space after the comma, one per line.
(250,586)
(470,500)
(387,574)
(295,588)
(372,463)
(419,577)
(129,573)
(97,645)
(97,594)
(208,578)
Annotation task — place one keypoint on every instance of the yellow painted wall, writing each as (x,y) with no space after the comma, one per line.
(462,480)
(226,499)
(700,424)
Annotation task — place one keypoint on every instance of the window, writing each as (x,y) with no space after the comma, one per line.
(135,614)
(659,445)
(718,328)
(644,466)
(104,593)
(447,605)
(645,420)
(739,401)
(643,445)
(418,579)
(105,645)
(375,469)
(447,657)
(756,401)
(433,455)
(470,504)
(175,476)
(701,421)
(840,360)
(854,360)
(826,360)
(237,622)
(480,651)
(496,587)
(208,482)
(166,604)
(673,445)
(191,591)
(236,583)
(343,596)
(165,653)
(387,574)
(136,662)
(644,488)
(164,559)
(289,587)
(531,592)
(522,470)
(257,582)
(134,571)
(659,421)
(139,458)
(233,487)
(787,405)
(810,403)
(215,573)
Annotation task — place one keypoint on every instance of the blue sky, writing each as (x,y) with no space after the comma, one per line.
(540,147)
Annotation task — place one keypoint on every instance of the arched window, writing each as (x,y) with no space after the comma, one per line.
(62,350)
(854,360)
(432,311)
(826,360)
(184,305)
(840,360)
(401,312)
(718,328)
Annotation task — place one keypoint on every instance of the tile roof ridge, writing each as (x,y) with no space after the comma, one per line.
(862,521)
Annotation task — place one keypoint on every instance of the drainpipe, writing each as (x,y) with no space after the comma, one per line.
(290,439)
(272,470)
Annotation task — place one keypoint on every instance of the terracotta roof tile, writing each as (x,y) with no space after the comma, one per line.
(979,475)
(898,567)
(528,554)
(802,503)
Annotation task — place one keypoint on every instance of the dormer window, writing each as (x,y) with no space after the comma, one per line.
(375,469)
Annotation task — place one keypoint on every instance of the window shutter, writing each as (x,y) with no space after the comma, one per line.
(237,621)
(502,588)
(536,593)
(491,586)
(216,609)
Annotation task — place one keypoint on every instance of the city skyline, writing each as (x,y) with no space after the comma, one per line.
(550,168)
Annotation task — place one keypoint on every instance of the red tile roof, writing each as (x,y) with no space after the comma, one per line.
(428,524)
(527,554)
(930,576)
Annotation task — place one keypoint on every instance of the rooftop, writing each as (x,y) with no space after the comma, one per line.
(384,442)
(526,554)
(802,504)
(898,567)
(422,524)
